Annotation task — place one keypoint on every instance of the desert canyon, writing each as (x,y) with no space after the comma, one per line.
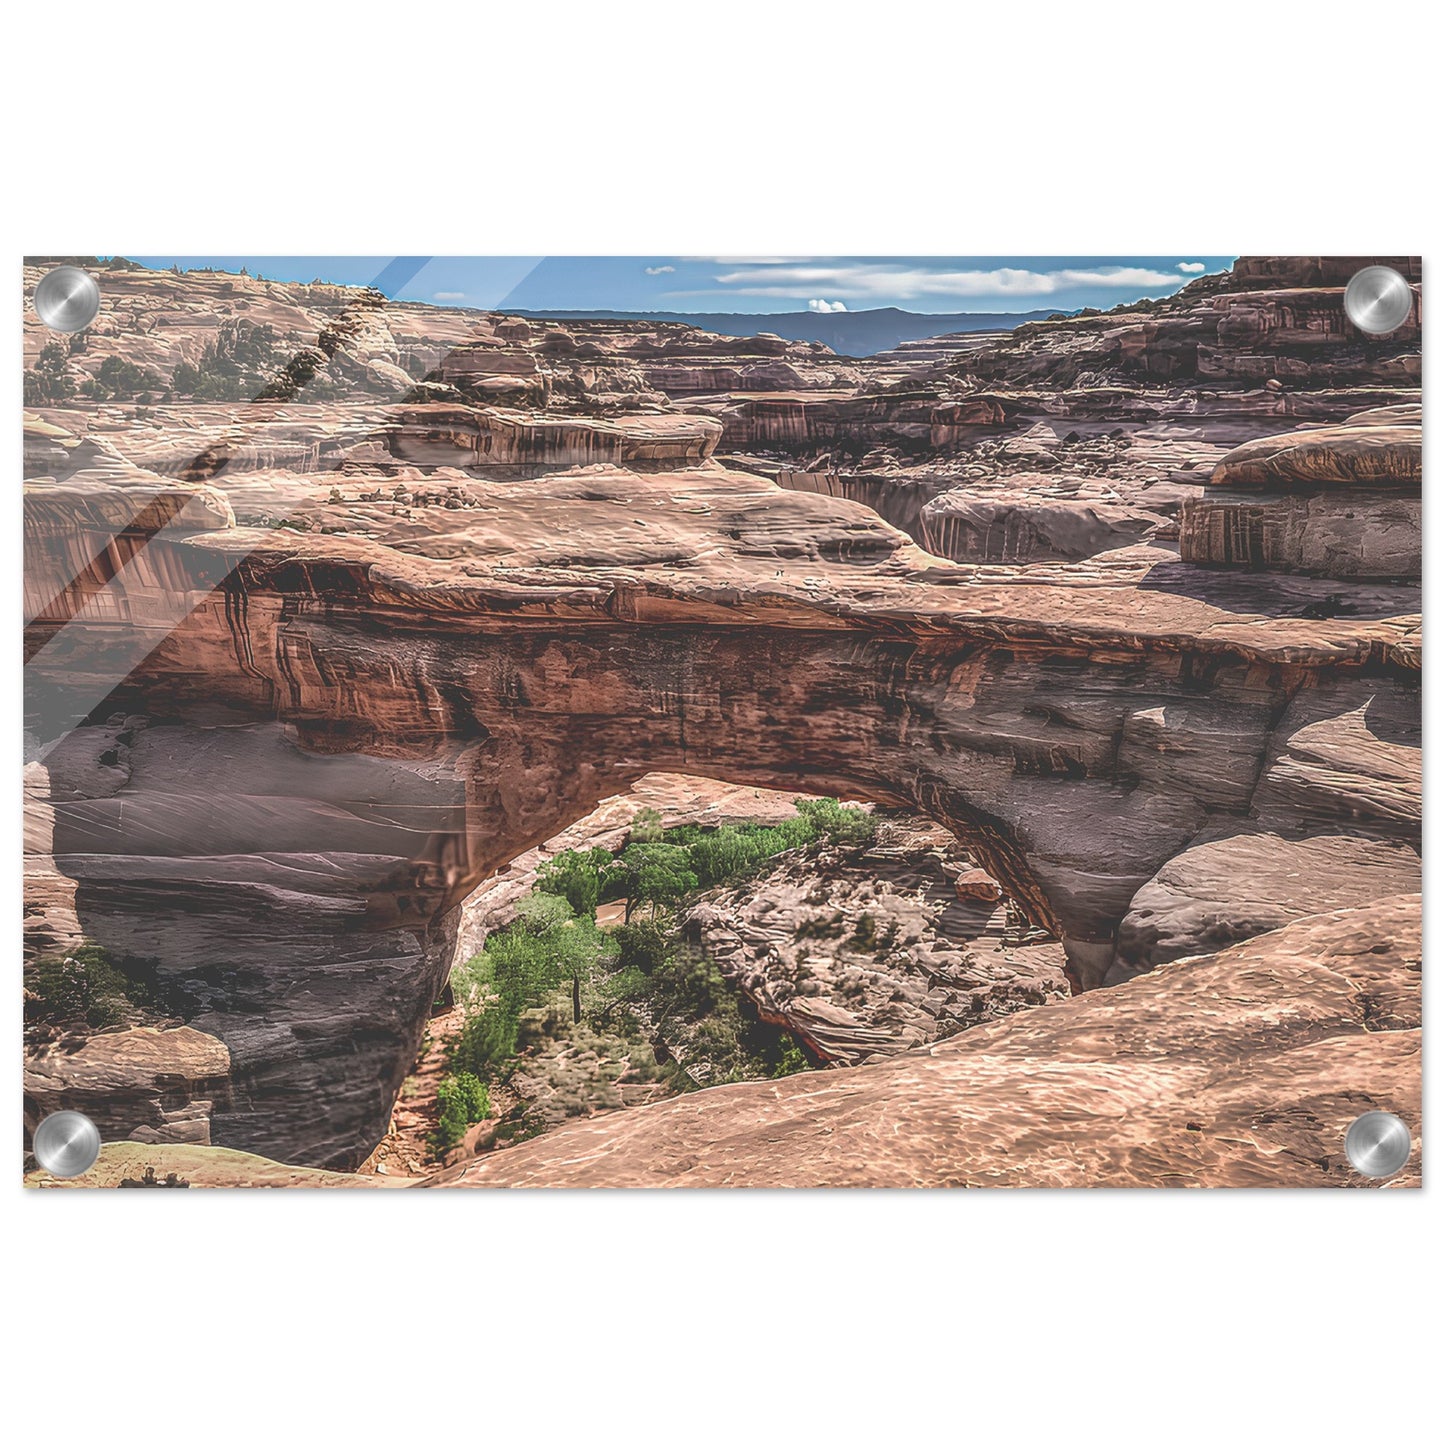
(1112,620)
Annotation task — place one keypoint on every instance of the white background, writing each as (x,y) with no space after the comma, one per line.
(740,129)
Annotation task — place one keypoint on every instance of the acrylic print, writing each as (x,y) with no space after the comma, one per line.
(676,721)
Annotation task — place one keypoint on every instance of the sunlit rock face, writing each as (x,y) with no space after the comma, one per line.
(295,693)
(313,767)
(1337,501)
(1243,1067)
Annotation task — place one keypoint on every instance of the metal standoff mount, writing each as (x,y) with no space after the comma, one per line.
(66,1144)
(1378,1144)
(67,298)
(1378,299)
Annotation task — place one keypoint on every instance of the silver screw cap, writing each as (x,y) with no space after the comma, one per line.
(67,299)
(66,1144)
(1378,299)
(1378,1144)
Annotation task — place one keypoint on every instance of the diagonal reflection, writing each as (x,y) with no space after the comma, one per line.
(105,584)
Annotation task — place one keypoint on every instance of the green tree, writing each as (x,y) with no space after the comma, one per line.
(852,827)
(720,855)
(48,380)
(576,876)
(539,913)
(516,970)
(120,380)
(236,366)
(462,1100)
(655,873)
(576,949)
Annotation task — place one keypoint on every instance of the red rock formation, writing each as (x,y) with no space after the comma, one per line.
(156,1086)
(1335,501)
(1243,1068)
(280,754)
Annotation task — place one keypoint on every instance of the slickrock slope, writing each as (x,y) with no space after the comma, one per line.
(871,955)
(297,692)
(1243,1068)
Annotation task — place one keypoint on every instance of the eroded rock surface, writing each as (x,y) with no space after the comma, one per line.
(866,956)
(301,676)
(1242,1068)
(155,1086)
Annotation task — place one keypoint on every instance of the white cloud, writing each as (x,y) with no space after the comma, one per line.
(659,270)
(821,305)
(872,281)
(449,296)
(1191,268)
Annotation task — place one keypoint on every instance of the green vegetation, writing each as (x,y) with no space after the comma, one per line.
(236,366)
(731,853)
(462,1100)
(516,971)
(48,381)
(117,379)
(642,945)
(655,873)
(577,877)
(85,989)
(791,1060)
(578,1007)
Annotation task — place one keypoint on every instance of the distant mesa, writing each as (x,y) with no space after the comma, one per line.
(849,333)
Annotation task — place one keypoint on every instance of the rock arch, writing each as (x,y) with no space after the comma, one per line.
(290,792)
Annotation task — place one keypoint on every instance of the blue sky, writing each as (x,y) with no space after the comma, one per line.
(927,284)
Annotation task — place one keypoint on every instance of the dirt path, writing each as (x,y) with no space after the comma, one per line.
(406,1150)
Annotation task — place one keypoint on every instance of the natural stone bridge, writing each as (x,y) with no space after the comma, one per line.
(301,751)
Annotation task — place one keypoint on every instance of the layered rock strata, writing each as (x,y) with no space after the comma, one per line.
(1337,501)
(153,1086)
(864,957)
(341,739)
(294,698)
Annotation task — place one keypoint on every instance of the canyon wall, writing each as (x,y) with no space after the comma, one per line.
(289,708)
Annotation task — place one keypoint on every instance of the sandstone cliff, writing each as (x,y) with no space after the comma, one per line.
(301,677)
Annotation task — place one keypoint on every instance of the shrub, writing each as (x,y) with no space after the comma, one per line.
(82,988)
(646,826)
(120,380)
(488,1038)
(851,827)
(577,877)
(791,1058)
(236,366)
(725,854)
(462,1100)
(643,945)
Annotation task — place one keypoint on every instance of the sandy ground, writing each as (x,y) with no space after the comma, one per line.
(405,1151)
